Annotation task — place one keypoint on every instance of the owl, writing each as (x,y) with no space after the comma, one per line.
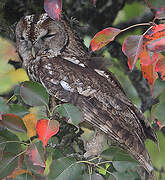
(53,54)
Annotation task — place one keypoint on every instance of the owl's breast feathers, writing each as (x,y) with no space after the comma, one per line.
(102,101)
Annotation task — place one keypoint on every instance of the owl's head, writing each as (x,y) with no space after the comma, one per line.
(38,34)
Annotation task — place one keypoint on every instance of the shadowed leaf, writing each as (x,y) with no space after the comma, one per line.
(2,146)
(158,109)
(34,94)
(13,122)
(12,147)
(71,112)
(4,108)
(131,47)
(34,156)
(122,166)
(66,168)
(116,154)
(34,159)
(126,175)
(7,165)
(18,110)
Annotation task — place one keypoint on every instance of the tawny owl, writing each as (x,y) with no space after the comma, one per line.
(54,55)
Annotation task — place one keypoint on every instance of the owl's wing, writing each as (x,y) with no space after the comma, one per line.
(91,92)
(67,78)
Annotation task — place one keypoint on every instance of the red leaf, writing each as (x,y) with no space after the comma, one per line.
(103,37)
(1,115)
(94,2)
(154,39)
(46,129)
(132,46)
(160,13)
(157,45)
(53,8)
(34,159)
(159,124)
(147,57)
(34,156)
(149,73)
(160,66)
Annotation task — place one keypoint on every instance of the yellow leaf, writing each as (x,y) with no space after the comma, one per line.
(18,75)
(7,50)
(30,121)
(18,172)
(11,78)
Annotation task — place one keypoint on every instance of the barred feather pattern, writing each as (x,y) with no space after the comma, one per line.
(54,55)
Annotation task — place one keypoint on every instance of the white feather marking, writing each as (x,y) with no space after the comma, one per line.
(42,18)
(51,72)
(75,61)
(54,81)
(81,64)
(66,86)
(28,18)
(86,92)
(105,128)
(102,73)
(48,66)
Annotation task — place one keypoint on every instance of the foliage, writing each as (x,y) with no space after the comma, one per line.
(38,159)
(37,142)
(146,47)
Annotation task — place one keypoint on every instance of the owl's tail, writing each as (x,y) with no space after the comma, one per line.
(94,113)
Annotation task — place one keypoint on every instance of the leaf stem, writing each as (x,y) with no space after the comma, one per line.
(104,162)
(10,99)
(14,142)
(135,25)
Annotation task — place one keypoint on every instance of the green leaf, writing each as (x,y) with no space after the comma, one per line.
(71,112)
(18,110)
(13,147)
(13,122)
(56,153)
(2,146)
(156,154)
(126,175)
(96,176)
(66,169)
(122,166)
(34,94)
(158,110)
(8,164)
(114,153)
(4,108)
(40,111)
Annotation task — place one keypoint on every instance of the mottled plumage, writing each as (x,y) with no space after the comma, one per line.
(54,55)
